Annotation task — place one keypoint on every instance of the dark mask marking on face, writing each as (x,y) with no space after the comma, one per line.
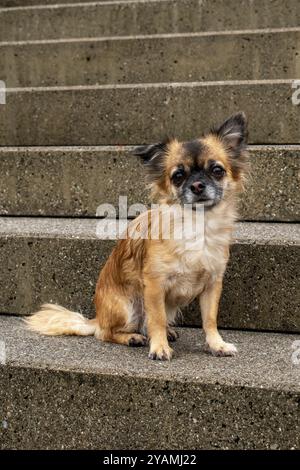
(193,149)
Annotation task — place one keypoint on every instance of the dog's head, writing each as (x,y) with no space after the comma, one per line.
(204,170)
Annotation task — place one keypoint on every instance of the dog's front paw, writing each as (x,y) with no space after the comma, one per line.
(161,352)
(221,349)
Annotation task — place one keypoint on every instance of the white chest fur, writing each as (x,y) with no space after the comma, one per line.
(202,257)
(218,229)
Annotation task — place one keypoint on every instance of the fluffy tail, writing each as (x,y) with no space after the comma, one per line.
(55,320)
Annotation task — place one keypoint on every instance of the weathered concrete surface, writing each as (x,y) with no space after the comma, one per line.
(143,17)
(78,180)
(127,114)
(74,181)
(196,401)
(166,58)
(271,191)
(42,3)
(58,260)
(45,3)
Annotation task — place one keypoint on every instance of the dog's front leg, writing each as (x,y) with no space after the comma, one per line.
(209,305)
(154,298)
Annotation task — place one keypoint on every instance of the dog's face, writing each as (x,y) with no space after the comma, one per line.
(202,171)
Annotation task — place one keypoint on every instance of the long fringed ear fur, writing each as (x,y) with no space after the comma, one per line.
(153,158)
(233,134)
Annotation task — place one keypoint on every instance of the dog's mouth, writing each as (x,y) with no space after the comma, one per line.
(203,203)
(204,200)
(207,199)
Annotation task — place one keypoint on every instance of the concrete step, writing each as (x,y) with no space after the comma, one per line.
(58,260)
(142,17)
(79,179)
(250,401)
(44,3)
(166,58)
(128,114)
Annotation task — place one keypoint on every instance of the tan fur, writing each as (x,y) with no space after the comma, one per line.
(145,282)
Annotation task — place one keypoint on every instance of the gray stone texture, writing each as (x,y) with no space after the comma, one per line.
(131,114)
(58,260)
(66,393)
(122,18)
(74,181)
(175,58)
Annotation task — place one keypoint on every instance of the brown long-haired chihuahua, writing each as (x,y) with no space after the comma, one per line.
(145,281)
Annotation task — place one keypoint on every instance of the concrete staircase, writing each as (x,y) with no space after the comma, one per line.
(85,82)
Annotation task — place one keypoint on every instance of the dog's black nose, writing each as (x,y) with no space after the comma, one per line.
(197,187)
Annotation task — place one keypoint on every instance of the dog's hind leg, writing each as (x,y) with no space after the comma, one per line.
(129,339)
(118,321)
(128,335)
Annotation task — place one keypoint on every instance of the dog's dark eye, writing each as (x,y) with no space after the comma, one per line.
(178,177)
(218,171)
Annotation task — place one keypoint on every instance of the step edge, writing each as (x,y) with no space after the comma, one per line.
(119,148)
(79,4)
(137,86)
(153,374)
(247,233)
(201,34)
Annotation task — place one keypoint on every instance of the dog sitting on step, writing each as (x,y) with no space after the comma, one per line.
(146,280)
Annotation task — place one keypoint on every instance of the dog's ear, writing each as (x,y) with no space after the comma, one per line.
(149,153)
(153,157)
(233,133)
